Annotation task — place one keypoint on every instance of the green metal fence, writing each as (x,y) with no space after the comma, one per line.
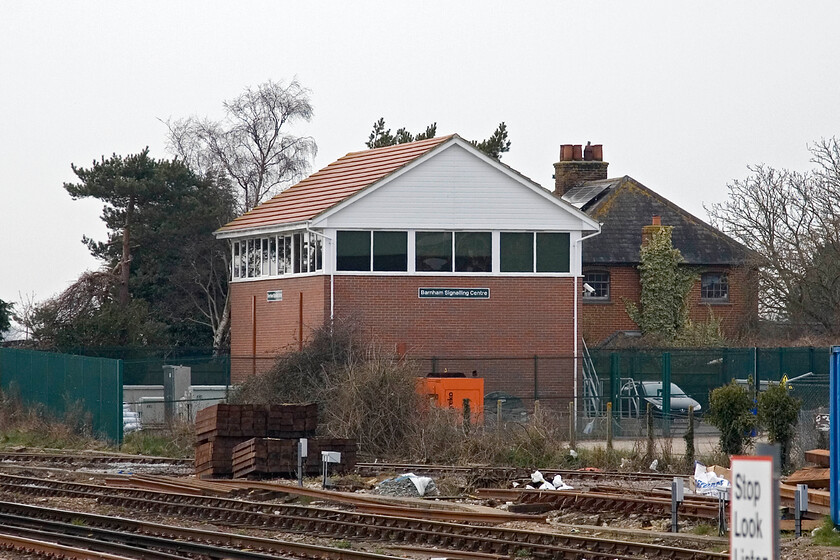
(144,365)
(698,371)
(61,380)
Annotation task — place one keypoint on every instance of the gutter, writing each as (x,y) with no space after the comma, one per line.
(579,252)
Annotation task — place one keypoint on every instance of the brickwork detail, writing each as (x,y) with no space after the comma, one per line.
(568,174)
(277,322)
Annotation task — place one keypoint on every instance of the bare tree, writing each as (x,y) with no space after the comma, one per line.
(251,147)
(792,222)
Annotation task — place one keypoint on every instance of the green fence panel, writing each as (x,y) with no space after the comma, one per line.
(698,371)
(57,381)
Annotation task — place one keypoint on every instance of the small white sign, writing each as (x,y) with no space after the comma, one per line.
(274,295)
(330,456)
(752,525)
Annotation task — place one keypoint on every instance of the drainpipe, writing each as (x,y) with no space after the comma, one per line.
(579,253)
(332,272)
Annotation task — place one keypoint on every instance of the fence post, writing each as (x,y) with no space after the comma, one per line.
(666,394)
(572,424)
(499,414)
(609,427)
(536,385)
(615,375)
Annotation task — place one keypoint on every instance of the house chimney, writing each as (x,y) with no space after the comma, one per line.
(654,227)
(578,165)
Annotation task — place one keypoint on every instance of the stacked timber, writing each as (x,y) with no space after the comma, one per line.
(272,456)
(254,440)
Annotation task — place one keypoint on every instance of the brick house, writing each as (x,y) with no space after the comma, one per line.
(433,248)
(627,211)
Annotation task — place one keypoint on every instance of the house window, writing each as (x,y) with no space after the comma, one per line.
(390,251)
(599,281)
(353,250)
(433,251)
(714,287)
(473,251)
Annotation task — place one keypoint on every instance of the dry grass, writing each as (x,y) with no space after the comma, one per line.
(31,425)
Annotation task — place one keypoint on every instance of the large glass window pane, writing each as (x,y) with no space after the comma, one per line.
(317,258)
(272,256)
(552,252)
(284,254)
(297,257)
(516,251)
(243,259)
(473,251)
(390,251)
(353,250)
(235,260)
(433,251)
(264,257)
(253,258)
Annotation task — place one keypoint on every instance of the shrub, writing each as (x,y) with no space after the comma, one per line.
(778,413)
(729,412)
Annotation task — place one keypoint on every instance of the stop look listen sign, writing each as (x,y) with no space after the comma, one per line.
(754,525)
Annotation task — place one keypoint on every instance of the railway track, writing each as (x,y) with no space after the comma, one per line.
(91,458)
(358,526)
(508,473)
(152,541)
(603,500)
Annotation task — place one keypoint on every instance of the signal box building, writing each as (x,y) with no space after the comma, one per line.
(434,249)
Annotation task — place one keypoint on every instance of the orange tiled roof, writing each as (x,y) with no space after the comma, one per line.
(332,184)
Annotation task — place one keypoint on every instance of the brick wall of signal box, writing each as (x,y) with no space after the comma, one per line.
(601,319)
(524,317)
(277,322)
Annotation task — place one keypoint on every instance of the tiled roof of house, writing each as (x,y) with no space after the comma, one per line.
(332,184)
(624,206)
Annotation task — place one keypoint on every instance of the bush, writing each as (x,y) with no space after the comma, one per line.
(729,412)
(778,413)
(361,392)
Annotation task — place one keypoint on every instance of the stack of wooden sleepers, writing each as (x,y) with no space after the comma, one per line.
(219,429)
(816,477)
(271,456)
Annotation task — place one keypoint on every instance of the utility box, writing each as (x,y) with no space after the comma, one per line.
(451,392)
(176,381)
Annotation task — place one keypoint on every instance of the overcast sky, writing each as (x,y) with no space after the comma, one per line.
(683,96)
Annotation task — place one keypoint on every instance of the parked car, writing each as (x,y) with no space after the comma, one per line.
(634,395)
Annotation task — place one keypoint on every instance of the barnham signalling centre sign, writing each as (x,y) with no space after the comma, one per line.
(454,293)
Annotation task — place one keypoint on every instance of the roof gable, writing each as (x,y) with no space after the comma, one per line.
(624,206)
(455,185)
(331,185)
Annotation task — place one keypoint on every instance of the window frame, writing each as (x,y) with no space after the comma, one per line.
(592,298)
(723,280)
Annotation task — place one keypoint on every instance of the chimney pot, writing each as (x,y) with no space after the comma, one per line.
(598,152)
(577,152)
(588,154)
(566,152)
(657,221)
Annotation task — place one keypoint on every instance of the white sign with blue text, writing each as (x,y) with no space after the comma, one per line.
(752,515)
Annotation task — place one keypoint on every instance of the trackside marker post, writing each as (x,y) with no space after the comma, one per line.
(754,524)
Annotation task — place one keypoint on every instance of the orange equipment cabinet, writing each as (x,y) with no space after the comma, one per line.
(451,392)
